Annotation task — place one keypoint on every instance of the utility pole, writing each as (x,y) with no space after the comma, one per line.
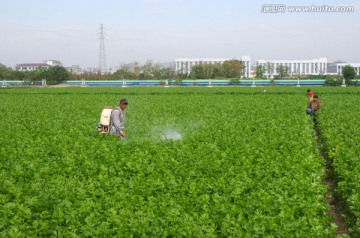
(102,57)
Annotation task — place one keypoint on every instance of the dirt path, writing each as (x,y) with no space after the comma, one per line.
(330,182)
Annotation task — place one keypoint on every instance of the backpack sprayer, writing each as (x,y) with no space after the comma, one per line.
(104,124)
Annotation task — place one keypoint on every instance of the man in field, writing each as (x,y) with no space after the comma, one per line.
(313,106)
(118,119)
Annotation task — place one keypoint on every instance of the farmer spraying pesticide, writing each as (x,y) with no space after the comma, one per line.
(118,119)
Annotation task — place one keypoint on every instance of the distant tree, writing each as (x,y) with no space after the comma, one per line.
(259,71)
(157,72)
(206,71)
(164,73)
(56,74)
(333,80)
(269,67)
(217,71)
(18,75)
(213,71)
(37,75)
(4,72)
(180,75)
(10,74)
(76,76)
(136,69)
(197,72)
(168,72)
(125,72)
(147,70)
(348,72)
(283,71)
(233,68)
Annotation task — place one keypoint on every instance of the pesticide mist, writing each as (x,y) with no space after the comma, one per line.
(171,134)
(166,133)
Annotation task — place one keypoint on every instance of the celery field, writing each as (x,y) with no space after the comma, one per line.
(198,162)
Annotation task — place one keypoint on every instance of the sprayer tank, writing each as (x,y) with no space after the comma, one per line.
(105,116)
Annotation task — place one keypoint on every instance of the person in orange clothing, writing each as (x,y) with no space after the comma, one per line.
(310,95)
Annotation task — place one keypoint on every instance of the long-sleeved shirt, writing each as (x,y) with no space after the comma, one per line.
(118,119)
(314,103)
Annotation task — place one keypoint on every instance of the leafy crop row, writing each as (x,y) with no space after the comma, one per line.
(246,164)
(338,123)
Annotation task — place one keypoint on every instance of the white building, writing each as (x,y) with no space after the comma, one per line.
(114,69)
(184,65)
(337,67)
(294,67)
(31,66)
(91,70)
(75,69)
(53,62)
(34,66)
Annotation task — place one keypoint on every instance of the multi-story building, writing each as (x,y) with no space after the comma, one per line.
(34,66)
(336,67)
(184,65)
(75,69)
(91,70)
(53,62)
(293,67)
(31,66)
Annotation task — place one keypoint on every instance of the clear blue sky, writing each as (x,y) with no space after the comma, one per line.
(162,30)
